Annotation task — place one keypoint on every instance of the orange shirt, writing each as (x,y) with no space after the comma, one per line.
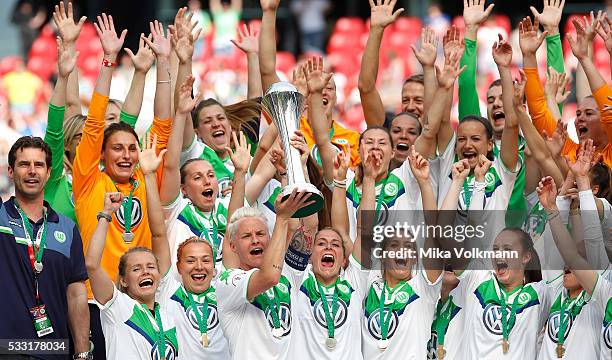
(340,138)
(89,185)
(546,123)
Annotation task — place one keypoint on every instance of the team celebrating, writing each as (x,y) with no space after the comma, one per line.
(183,243)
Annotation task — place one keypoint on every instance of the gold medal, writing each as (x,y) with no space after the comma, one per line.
(205,339)
(560,351)
(505,346)
(441,352)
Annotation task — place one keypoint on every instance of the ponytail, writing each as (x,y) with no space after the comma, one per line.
(240,115)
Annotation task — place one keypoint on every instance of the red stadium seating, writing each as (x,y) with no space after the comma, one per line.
(343,42)
(408,24)
(285,61)
(41,66)
(9,64)
(349,25)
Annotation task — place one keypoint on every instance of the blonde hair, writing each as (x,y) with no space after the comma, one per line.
(239,114)
(72,127)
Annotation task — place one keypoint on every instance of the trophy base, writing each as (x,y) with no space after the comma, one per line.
(315,195)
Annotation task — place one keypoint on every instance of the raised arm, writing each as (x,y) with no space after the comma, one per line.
(555,91)
(547,192)
(87,160)
(427,141)
(426,56)
(171,181)
(69,30)
(460,171)
(452,43)
(149,161)
(339,209)
(420,169)
(580,44)
(317,80)
(267,43)
(248,42)
(605,31)
(142,61)
(161,46)
(502,54)
(382,15)
(101,284)
(54,134)
(372,168)
(474,14)
(272,266)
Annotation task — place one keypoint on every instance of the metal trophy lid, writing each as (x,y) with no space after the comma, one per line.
(281,86)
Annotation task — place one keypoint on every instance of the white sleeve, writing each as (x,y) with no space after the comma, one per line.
(478,200)
(167,286)
(591,229)
(194,151)
(507,177)
(469,280)
(429,290)
(606,224)
(563,203)
(118,308)
(172,210)
(232,287)
(601,294)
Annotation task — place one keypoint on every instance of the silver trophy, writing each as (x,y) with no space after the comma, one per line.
(284,104)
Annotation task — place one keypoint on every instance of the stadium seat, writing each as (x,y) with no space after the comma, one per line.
(408,24)
(504,22)
(9,64)
(349,25)
(44,47)
(41,66)
(285,61)
(342,41)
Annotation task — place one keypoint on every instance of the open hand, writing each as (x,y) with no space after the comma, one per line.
(64,21)
(447,76)
(502,52)
(529,41)
(547,193)
(148,159)
(474,12)
(161,44)
(551,15)
(186,103)
(143,60)
(248,40)
(66,59)
(382,14)
(111,43)
(241,155)
(426,55)
(453,42)
(316,79)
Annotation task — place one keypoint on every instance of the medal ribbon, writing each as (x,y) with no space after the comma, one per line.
(215,235)
(330,316)
(569,304)
(443,318)
(384,320)
(160,337)
(35,251)
(381,197)
(507,323)
(467,194)
(127,207)
(201,318)
(274,305)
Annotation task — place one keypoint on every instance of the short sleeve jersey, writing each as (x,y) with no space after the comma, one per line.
(412,304)
(173,296)
(248,323)
(131,331)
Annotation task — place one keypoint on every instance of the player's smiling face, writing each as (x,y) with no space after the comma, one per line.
(141,276)
(120,156)
(400,267)
(214,128)
(250,242)
(200,184)
(376,142)
(510,270)
(472,141)
(495,109)
(196,267)
(404,132)
(327,255)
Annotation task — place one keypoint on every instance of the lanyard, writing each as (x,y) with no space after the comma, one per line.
(201,318)
(569,304)
(467,194)
(274,305)
(443,318)
(384,320)
(127,207)
(35,251)
(330,316)
(215,234)
(507,323)
(381,196)
(160,337)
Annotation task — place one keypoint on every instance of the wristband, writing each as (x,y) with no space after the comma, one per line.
(282,173)
(340,183)
(108,63)
(104,215)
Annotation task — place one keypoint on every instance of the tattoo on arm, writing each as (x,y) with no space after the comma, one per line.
(277,267)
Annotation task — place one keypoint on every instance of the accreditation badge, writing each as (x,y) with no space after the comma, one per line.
(42,324)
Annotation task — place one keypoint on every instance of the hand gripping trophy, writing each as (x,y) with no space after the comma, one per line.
(284,104)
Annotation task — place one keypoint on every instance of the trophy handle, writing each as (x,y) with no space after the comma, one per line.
(315,195)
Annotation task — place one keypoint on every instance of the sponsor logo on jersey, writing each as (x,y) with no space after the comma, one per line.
(391,189)
(524,298)
(59,236)
(489,179)
(284,315)
(319,313)
(607,335)
(374,323)
(432,344)
(213,316)
(222,219)
(554,325)
(136,213)
(170,351)
(492,318)
(383,215)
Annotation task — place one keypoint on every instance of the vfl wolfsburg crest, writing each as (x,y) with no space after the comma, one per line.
(170,353)
(554,325)
(59,236)
(374,323)
(213,316)
(136,213)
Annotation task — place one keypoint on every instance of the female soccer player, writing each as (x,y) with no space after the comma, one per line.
(135,325)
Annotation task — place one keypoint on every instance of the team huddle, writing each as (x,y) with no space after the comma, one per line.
(193,241)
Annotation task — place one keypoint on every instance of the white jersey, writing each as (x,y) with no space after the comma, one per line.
(483,325)
(602,300)
(265,202)
(131,332)
(399,191)
(248,324)
(174,297)
(412,305)
(311,327)
(453,345)
(184,220)
(499,182)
